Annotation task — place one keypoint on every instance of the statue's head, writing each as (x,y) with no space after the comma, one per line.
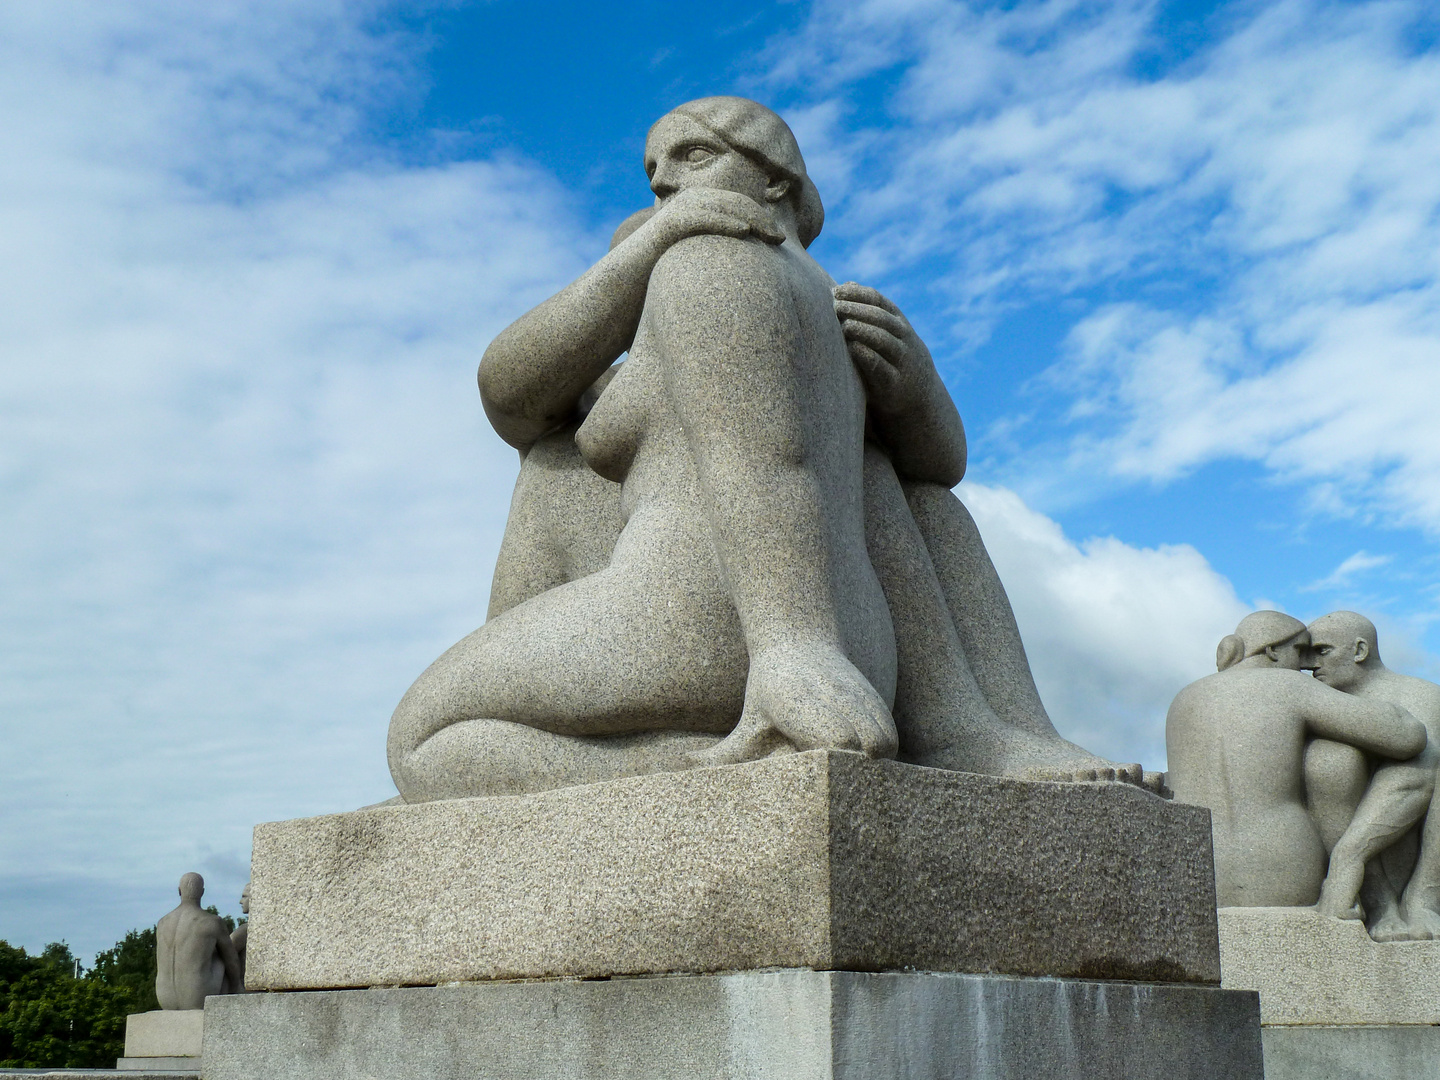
(192,887)
(1275,638)
(245,899)
(1344,648)
(734,144)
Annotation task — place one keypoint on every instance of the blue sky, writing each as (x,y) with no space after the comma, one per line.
(1179,264)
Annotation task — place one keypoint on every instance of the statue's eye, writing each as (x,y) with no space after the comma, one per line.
(696,154)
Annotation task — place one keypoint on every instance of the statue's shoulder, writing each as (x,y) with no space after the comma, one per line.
(1417,691)
(707,261)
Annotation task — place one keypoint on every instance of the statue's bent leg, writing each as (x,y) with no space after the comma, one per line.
(962,640)
(1420,904)
(979,607)
(1398,796)
(621,672)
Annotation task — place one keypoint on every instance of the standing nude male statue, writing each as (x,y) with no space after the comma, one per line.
(1237,742)
(1384,841)
(741,570)
(194,956)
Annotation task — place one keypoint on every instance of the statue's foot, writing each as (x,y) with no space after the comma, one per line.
(997,749)
(1336,908)
(806,697)
(1390,927)
(1421,924)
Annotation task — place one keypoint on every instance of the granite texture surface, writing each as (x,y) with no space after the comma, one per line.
(778,1025)
(164,1033)
(1408,1052)
(1313,969)
(824,860)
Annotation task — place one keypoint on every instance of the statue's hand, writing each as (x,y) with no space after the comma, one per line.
(895,364)
(712,212)
(806,696)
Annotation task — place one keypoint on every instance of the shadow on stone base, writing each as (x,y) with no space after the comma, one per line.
(774,1025)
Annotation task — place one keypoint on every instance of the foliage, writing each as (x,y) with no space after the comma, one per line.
(49,1018)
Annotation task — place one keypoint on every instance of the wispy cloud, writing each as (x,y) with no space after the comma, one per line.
(1268,208)
(1342,575)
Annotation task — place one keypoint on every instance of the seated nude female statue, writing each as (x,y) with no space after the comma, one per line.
(739,541)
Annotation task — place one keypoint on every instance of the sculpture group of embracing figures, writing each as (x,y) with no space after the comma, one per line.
(742,541)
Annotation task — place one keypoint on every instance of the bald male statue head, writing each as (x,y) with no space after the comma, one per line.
(1345,650)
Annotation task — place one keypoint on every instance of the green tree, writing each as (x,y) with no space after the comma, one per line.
(51,1019)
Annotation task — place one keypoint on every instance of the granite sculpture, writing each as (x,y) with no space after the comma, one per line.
(1375,815)
(739,541)
(194,956)
(734,582)
(1237,743)
(240,937)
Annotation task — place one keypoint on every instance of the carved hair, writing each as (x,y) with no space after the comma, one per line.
(1258,631)
(758,133)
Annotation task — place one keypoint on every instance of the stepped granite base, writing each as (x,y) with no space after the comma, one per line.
(775,1025)
(1334,1004)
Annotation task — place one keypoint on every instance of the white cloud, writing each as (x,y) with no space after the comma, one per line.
(1112,631)
(249,492)
(1347,570)
(1283,182)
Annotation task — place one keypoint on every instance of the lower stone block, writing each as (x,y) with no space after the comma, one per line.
(1315,970)
(776,1025)
(1371,1052)
(164,1033)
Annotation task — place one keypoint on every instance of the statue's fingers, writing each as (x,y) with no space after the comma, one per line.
(853,290)
(875,316)
(881,340)
(763,224)
(877,373)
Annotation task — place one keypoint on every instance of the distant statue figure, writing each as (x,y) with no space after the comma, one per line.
(239,938)
(1237,744)
(1375,815)
(194,956)
(741,540)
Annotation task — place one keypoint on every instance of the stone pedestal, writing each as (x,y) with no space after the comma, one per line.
(163,1039)
(1334,1003)
(821,860)
(777,1025)
(816,915)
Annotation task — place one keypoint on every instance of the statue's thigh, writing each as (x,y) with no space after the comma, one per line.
(1336,775)
(626,649)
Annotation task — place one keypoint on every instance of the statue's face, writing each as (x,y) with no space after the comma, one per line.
(1334,660)
(682,154)
(1293,654)
(245,900)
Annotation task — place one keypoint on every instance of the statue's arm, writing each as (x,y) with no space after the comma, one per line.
(730,337)
(1370,724)
(533,373)
(910,410)
(230,958)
